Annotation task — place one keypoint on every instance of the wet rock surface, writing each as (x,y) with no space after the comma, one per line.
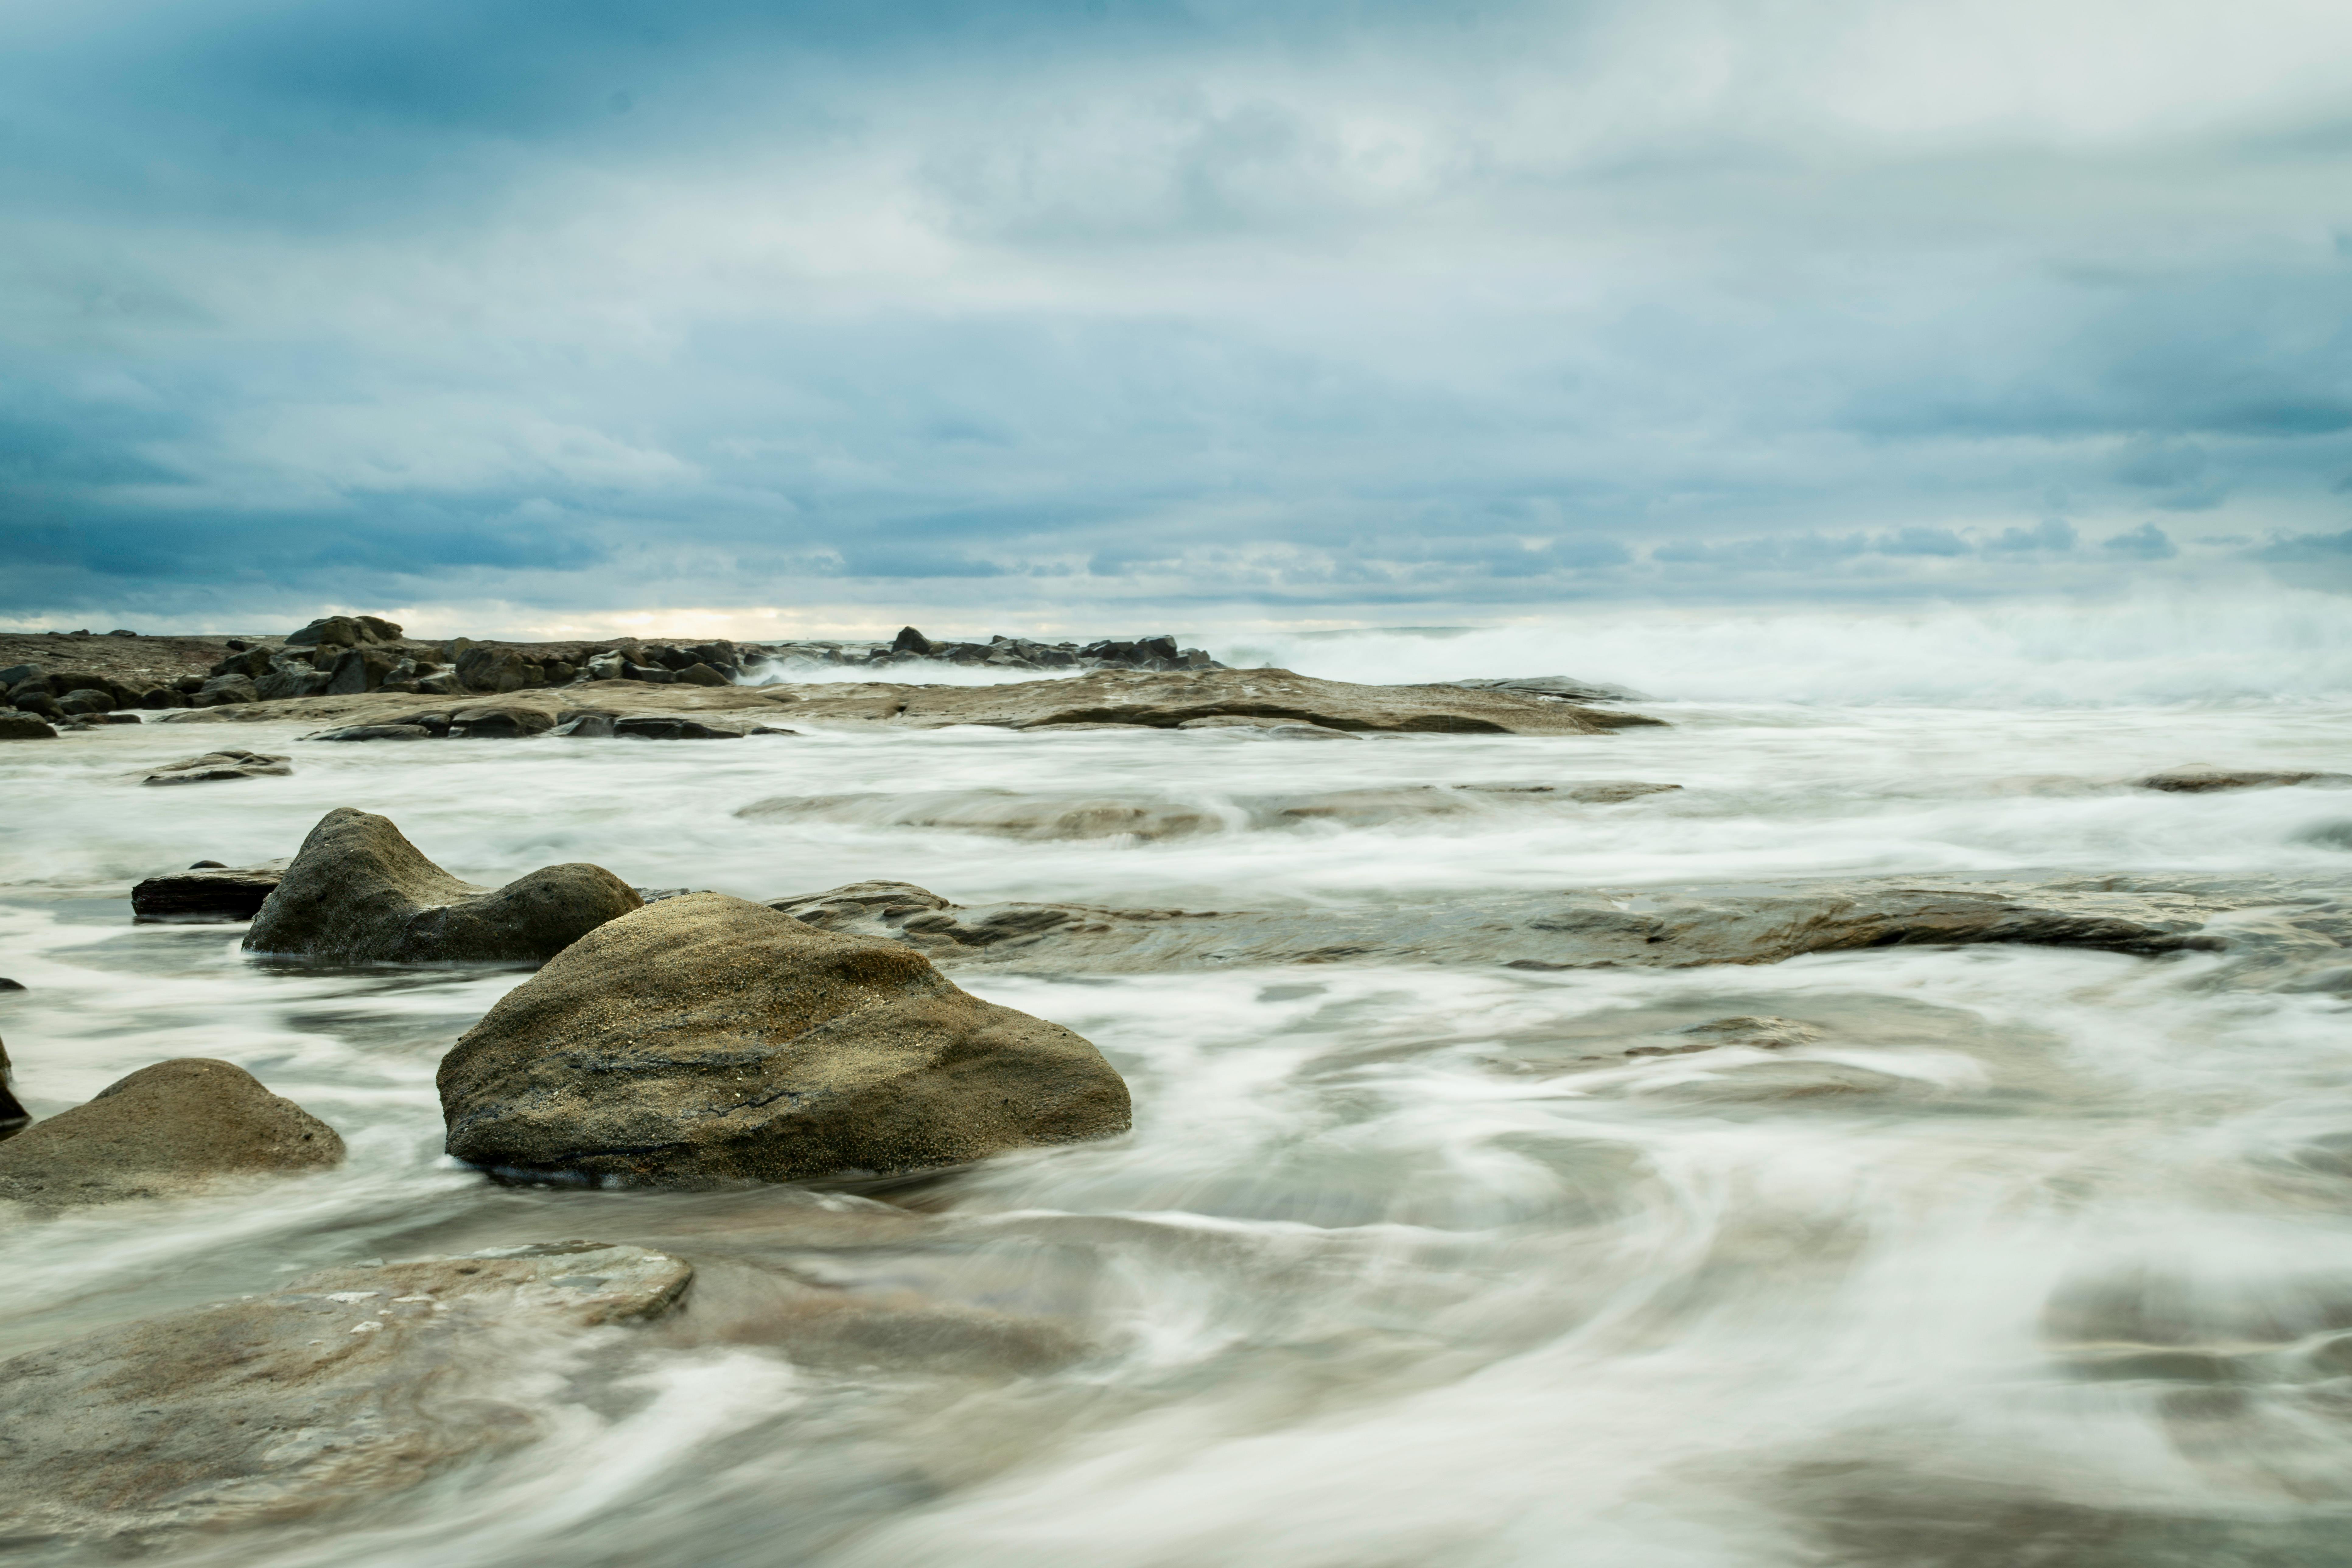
(13,1115)
(26,727)
(2209,781)
(706,1039)
(164,1131)
(344,1386)
(1174,699)
(207,892)
(215,767)
(359,893)
(1655,928)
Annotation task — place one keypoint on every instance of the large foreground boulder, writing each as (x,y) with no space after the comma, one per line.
(359,893)
(173,1128)
(707,1039)
(341,1387)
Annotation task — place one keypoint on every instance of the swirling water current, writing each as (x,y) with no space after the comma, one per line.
(2024,1256)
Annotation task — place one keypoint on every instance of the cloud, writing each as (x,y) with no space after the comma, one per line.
(1158,302)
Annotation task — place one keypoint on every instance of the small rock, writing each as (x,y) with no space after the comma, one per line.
(206,893)
(664,726)
(702,675)
(359,893)
(13,1116)
(498,724)
(586,725)
(373,733)
(25,727)
(229,763)
(1757,1032)
(344,631)
(165,1130)
(705,1038)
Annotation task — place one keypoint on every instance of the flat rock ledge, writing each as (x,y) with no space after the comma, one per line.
(1647,929)
(359,893)
(207,893)
(166,1130)
(2210,781)
(341,1387)
(1276,700)
(706,1040)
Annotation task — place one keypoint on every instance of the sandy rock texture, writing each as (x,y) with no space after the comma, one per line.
(345,1385)
(1197,699)
(359,893)
(167,1130)
(207,892)
(704,1040)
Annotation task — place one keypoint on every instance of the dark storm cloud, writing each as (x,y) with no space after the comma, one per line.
(613,304)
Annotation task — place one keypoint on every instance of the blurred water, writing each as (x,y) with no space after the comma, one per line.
(2014,1256)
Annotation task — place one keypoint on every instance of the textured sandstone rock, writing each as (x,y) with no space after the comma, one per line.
(706,1039)
(359,893)
(172,1128)
(216,766)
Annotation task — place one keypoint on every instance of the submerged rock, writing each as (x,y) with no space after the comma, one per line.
(165,1130)
(206,892)
(344,1386)
(707,1039)
(373,733)
(2205,781)
(226,763)
(359,893)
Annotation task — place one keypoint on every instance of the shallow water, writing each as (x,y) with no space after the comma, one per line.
(1989,1256)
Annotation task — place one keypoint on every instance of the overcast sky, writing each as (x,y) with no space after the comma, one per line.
(1082,315)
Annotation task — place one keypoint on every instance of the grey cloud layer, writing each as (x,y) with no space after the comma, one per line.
(1099,304)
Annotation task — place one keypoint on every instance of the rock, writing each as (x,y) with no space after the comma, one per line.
(294,674)
(443,683)
(343,1386)
(358,892)
(664,726)
(222,691)
(586,725)
(213,766)
(707,1039)
(361,670)
(166,1130)
(1559,687)
(25,727)
(700,674)
(2205,781)
(910,640)
(373,733)
(16,675)
(207,892)
(13,1116)
(1658,928)
(1168,699)
(344,631)
(8,985)
(653,673)
(1756,1033)
(499,723)
(487,668)
(85,703)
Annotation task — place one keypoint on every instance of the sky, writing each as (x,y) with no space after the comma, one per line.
(1087,316)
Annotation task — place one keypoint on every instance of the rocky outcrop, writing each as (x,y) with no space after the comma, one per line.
(344,631)
(2207,781)
(25,727)
(359,893)
(704,1040)
(206,893)
(167,1130)
(1174,701)
(1566,689)
(341,1387)
(216,766)
(911,647)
